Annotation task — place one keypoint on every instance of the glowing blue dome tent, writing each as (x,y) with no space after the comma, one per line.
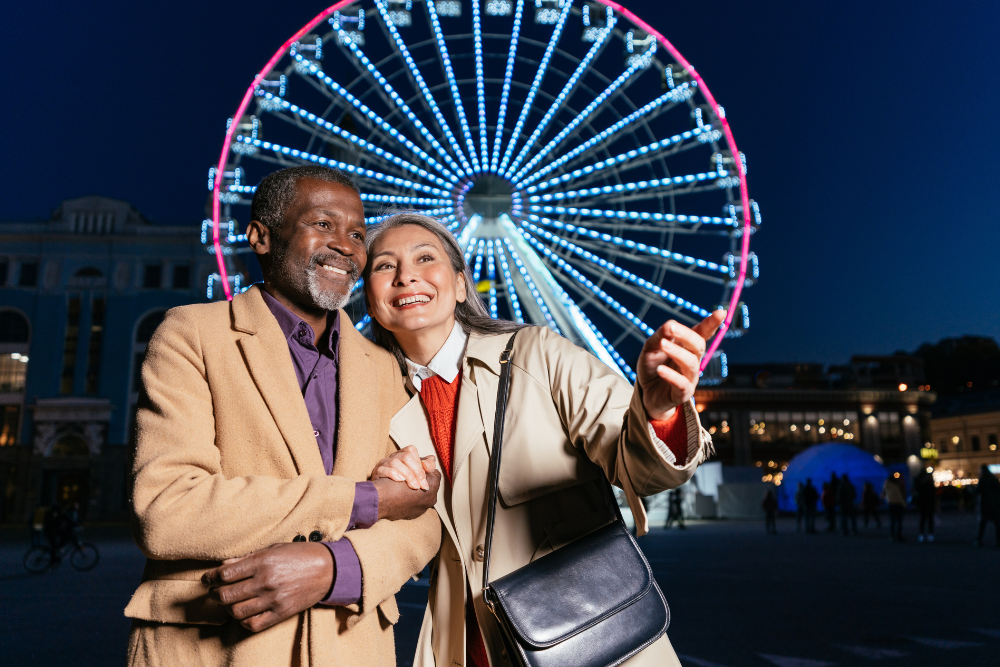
(819,461)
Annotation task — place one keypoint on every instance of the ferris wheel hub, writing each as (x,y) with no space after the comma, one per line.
(489,197)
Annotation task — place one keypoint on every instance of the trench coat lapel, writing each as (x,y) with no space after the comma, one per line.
(358,404)
(410,427)
(270,363)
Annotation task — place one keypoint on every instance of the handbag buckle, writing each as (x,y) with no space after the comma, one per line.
(505,356)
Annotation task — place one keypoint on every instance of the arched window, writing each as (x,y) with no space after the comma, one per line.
(13,327)
(148,325)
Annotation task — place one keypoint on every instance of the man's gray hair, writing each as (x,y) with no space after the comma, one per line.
(472,314)
(277,190)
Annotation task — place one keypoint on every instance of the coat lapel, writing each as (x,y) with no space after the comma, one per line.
(358,405)
(269,361)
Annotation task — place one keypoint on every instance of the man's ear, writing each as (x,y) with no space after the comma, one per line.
(460,287)
(259,237)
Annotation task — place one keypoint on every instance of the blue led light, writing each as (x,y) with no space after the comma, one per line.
(364,173)
(424,89)
(452,83)
(509,282)
(499,7)
(625,243)
(638,186)
(507,79)
(491,273)
(363,322)
(477,39)
(583,115)
(424,132)
(378,120)
(564,94)
(400,199)
(679,94)
(477,269)
(356,140)
(616,270)
(531,285)
(543,65)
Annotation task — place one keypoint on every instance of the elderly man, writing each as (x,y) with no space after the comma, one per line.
(260,423)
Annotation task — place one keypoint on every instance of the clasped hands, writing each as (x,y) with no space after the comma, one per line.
(273,584)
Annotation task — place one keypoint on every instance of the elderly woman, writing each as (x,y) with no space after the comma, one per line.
(565,407)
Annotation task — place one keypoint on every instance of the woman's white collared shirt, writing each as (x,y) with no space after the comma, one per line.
(447,362)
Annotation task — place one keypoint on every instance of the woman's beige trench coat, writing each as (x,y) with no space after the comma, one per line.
(565,406)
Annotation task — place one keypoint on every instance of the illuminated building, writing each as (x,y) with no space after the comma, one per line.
(80,295)
(763,414)
(963,435)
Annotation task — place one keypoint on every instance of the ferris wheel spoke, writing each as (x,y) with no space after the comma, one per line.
(414,72)
(370,67)
(675,96)
(543,66)
(596,48)
(350,168)
(532,287)
(598,101)
(623,274)
(491,274)
(637,157)
(450,75)
(673,258)
(377,119)
(507,78)
(477,38)
(633,215)
(309,121)
(567,268)
(509,292)
(478,268)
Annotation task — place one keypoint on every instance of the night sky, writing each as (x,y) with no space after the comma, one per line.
(870,131)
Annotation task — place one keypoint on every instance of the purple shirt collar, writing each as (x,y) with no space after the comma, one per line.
(295,328)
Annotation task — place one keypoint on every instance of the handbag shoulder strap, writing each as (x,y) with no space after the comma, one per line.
(491,505)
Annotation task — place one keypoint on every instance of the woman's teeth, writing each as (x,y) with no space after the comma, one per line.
(333,268)
(407,300)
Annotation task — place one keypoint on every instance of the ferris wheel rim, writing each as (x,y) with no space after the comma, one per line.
(690,69)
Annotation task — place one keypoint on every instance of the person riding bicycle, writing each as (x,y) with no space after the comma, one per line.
(60,527)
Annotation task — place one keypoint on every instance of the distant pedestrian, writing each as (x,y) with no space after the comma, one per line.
(674,511)
(848,496)
(869,504)
(810,496)
(800,508)
(38,526)
(926,499)
(895,496)
(834,486)
(988,491)
(830,507)
(770,506)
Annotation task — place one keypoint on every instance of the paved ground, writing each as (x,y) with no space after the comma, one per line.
(738,597)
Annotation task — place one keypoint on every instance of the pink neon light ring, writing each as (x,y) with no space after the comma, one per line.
(702,86)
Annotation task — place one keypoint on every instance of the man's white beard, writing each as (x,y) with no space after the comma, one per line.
(325,299)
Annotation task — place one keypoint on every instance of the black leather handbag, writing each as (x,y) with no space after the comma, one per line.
(591,603)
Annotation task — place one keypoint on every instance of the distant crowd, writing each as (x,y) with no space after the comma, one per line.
(839,499)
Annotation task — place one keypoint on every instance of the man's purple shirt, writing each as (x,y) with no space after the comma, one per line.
(316,371)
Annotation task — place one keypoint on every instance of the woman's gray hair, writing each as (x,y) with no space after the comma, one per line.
(471,313)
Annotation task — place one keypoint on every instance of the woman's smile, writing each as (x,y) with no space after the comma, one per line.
(411,301)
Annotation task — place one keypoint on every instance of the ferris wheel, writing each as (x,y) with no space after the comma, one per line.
(582,163)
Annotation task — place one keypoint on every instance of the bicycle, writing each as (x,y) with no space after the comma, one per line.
(83,556)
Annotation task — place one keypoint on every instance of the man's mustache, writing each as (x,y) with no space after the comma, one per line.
(339,261)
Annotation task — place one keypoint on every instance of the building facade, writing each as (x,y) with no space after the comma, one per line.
(80,296)
(764,414)
(963,436)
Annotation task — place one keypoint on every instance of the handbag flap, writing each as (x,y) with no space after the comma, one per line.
(581,584)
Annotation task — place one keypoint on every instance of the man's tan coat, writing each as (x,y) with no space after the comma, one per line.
(565,407)
(226,464)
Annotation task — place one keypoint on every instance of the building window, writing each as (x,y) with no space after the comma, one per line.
(889,427)
(143,333)
(152,276)
(13,373)
(70,344)
(3,274)
(182,277)
(29,274)
(992,440)
(10,414)
(943,445)
(94,347)
(13,327)
(975,443)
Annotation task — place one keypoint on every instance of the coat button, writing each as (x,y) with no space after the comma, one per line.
(480,553)
(299,538)
(315,536)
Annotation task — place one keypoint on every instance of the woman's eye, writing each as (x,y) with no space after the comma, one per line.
(426,258)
